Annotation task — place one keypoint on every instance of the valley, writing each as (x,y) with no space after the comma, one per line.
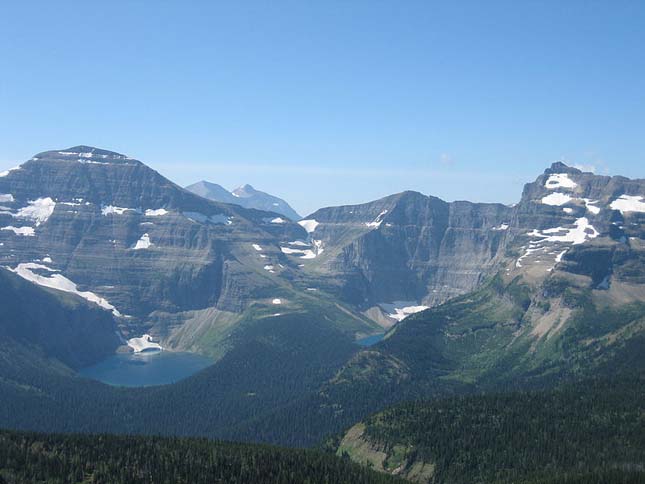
(342,242)
(131,297)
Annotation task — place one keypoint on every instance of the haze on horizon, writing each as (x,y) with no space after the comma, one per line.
(333,103)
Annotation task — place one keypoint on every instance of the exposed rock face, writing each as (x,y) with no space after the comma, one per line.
(567,301)
(110,229)
(567,209)
(246,196)
(421,250)
(408,247)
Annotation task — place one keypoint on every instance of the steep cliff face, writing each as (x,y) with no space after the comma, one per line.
(565,208)
(110,229)
(407,250)
(402,253)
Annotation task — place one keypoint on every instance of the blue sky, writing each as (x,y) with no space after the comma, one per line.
(331,102)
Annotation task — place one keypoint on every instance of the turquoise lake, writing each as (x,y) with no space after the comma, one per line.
(370,340)
(146,369)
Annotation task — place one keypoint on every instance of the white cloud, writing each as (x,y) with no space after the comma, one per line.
(583,167)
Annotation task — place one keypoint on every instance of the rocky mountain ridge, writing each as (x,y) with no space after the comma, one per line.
(408,251)
(163,260)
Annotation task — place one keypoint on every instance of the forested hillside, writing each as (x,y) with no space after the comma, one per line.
(42,458)
(593,431)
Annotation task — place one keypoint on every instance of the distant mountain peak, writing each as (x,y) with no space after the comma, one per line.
(245,195)
(245,191)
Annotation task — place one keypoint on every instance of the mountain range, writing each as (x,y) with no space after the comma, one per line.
(245,196)
(102,254)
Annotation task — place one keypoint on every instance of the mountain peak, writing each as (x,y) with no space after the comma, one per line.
(85,154)
(244,191)
(246,196)
(561,167)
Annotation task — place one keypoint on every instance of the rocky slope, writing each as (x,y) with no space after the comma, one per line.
(62,327)
(403,253)
(163,260)
(246,196)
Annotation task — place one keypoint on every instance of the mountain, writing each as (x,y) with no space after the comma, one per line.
(405,252)
(587,432)
(100,251)
(488,298)
(163,260)
(561,298)
(246,196)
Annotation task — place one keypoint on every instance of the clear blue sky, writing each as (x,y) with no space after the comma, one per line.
(331,102)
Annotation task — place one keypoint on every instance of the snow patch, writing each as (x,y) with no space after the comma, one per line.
(560,180)
(582,231)
(277,301)
(156,212)
(276,220)
(6,172)
(400,310)
(38,210)
(376,223)
(299,243)
(60,282)
(143,243)
(302,253)
(24,231)
(589,204)
(269,268)
(318,246)
(309,225)
(556,198)
(111,209)
(629,203)
(6,197)
(501,227)
(258,247)
(144,343)
(315,248)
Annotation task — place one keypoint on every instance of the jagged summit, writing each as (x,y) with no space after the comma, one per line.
(246,196)
(561,167)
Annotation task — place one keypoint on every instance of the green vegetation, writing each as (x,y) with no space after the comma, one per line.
(593,431)
(110,459)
